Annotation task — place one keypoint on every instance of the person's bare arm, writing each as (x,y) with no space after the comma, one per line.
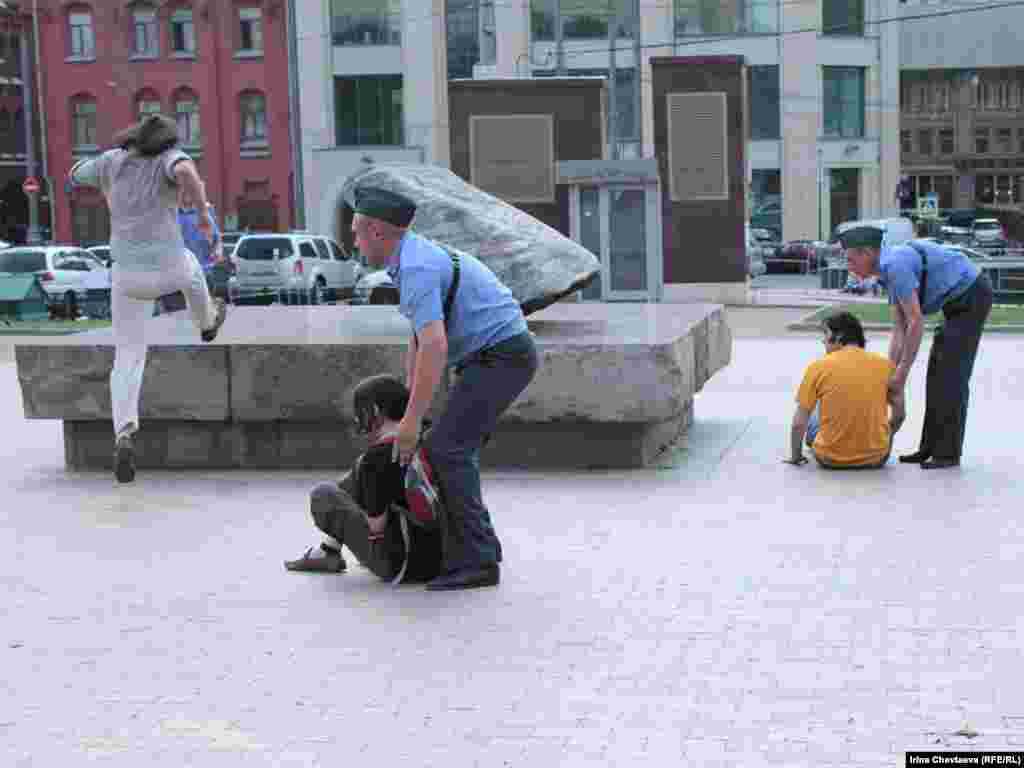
(430,360)
(410,362)
(187,176)
(898,414)
(913,331)
(797,432)
(898,334)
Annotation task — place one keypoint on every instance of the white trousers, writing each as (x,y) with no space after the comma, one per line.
(131,304)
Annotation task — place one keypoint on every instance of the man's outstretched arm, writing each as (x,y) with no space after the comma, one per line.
(797,432)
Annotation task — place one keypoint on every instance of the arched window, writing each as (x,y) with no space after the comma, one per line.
(147,102)
(145,32)
(252,109)
(83,123)
(186,113)
(183,32)
(81,35)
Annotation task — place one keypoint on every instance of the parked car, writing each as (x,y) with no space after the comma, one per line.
(296,266)
(65,272)
(768,215)
(103,252)
(375,288)
(795,256)
(989,234)
(957,228)
(756,253)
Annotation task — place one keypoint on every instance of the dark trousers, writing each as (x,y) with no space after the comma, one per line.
(488,382)
(950,365)
(336,513)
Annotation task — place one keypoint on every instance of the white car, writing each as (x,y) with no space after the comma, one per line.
(102,251)
(988,233)
(65,272)
(295,264)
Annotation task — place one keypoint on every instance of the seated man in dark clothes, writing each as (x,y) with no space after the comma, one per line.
(363,510)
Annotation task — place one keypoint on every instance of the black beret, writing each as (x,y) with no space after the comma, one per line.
(384,205)
(862,237)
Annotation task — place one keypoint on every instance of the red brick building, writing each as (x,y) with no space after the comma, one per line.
(219,67)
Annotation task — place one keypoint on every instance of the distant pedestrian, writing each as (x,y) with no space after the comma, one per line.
(141,180)
(207,250)
(923,277)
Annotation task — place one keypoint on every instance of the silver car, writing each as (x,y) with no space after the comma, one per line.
(988,233)
(293,266)
(65,272)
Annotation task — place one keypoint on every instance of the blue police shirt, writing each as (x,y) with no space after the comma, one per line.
(484,311)
(195,241)
(950,274)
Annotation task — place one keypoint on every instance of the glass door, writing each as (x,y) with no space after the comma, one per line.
(627,243)
(590,237)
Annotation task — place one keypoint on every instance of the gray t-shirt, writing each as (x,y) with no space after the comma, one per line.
(142,194)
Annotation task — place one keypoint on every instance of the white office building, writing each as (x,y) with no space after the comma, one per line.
(824,87)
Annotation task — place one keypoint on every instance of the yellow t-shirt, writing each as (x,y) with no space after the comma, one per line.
(851,385)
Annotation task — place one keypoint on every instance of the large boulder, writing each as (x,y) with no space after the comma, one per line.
(538,263)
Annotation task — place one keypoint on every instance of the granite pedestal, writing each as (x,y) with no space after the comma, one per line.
(614,389)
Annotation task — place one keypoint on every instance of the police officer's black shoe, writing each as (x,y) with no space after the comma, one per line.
(940,463)
(917,457)
(466,578)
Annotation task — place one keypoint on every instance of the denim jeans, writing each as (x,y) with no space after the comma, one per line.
(488,382)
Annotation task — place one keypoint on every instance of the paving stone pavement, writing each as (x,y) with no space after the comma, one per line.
(723,609)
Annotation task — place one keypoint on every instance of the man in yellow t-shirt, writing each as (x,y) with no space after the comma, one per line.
(843,402)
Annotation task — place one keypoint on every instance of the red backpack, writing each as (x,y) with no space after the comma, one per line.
(422,505)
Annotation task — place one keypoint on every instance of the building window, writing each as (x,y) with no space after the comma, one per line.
(766,200)
(581,19)
(368,110)
(906,145)
(252,108)
(144,41)
(924,142)
(1004,141)
(147,103)
(83,124)
(82,39)
(940,97)
(765,118)
(726,17)
(366,22)
(843,105)
(463,25)
(981,136)
(989,94)
(250,30)
(842,17)
(1020,142)
(183,32)
(946,145)
(186,114)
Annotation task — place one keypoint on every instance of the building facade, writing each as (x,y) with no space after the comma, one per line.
(219,69)
(962,104)
(18,99)
(823,86)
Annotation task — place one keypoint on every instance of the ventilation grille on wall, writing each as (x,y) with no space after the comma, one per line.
(697,143)
(513,156)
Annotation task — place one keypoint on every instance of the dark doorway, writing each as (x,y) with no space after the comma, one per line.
(845,195)
(13,213)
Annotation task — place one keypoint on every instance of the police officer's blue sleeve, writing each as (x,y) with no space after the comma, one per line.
(421,296)
(899,275)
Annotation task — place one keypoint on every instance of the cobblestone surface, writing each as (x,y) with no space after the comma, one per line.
(723,610)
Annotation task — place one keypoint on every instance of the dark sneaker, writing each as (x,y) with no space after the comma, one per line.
(318,560)
(124,459)
(222,312)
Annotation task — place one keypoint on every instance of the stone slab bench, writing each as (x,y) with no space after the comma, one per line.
(614,389)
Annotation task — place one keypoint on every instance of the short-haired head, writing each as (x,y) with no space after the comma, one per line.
(862,245)
(844,328)
(379,397)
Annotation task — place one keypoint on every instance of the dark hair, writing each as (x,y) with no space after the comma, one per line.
(151,136)
(380,395)
(845,328)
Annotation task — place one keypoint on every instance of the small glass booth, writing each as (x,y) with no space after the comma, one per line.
(615,213)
